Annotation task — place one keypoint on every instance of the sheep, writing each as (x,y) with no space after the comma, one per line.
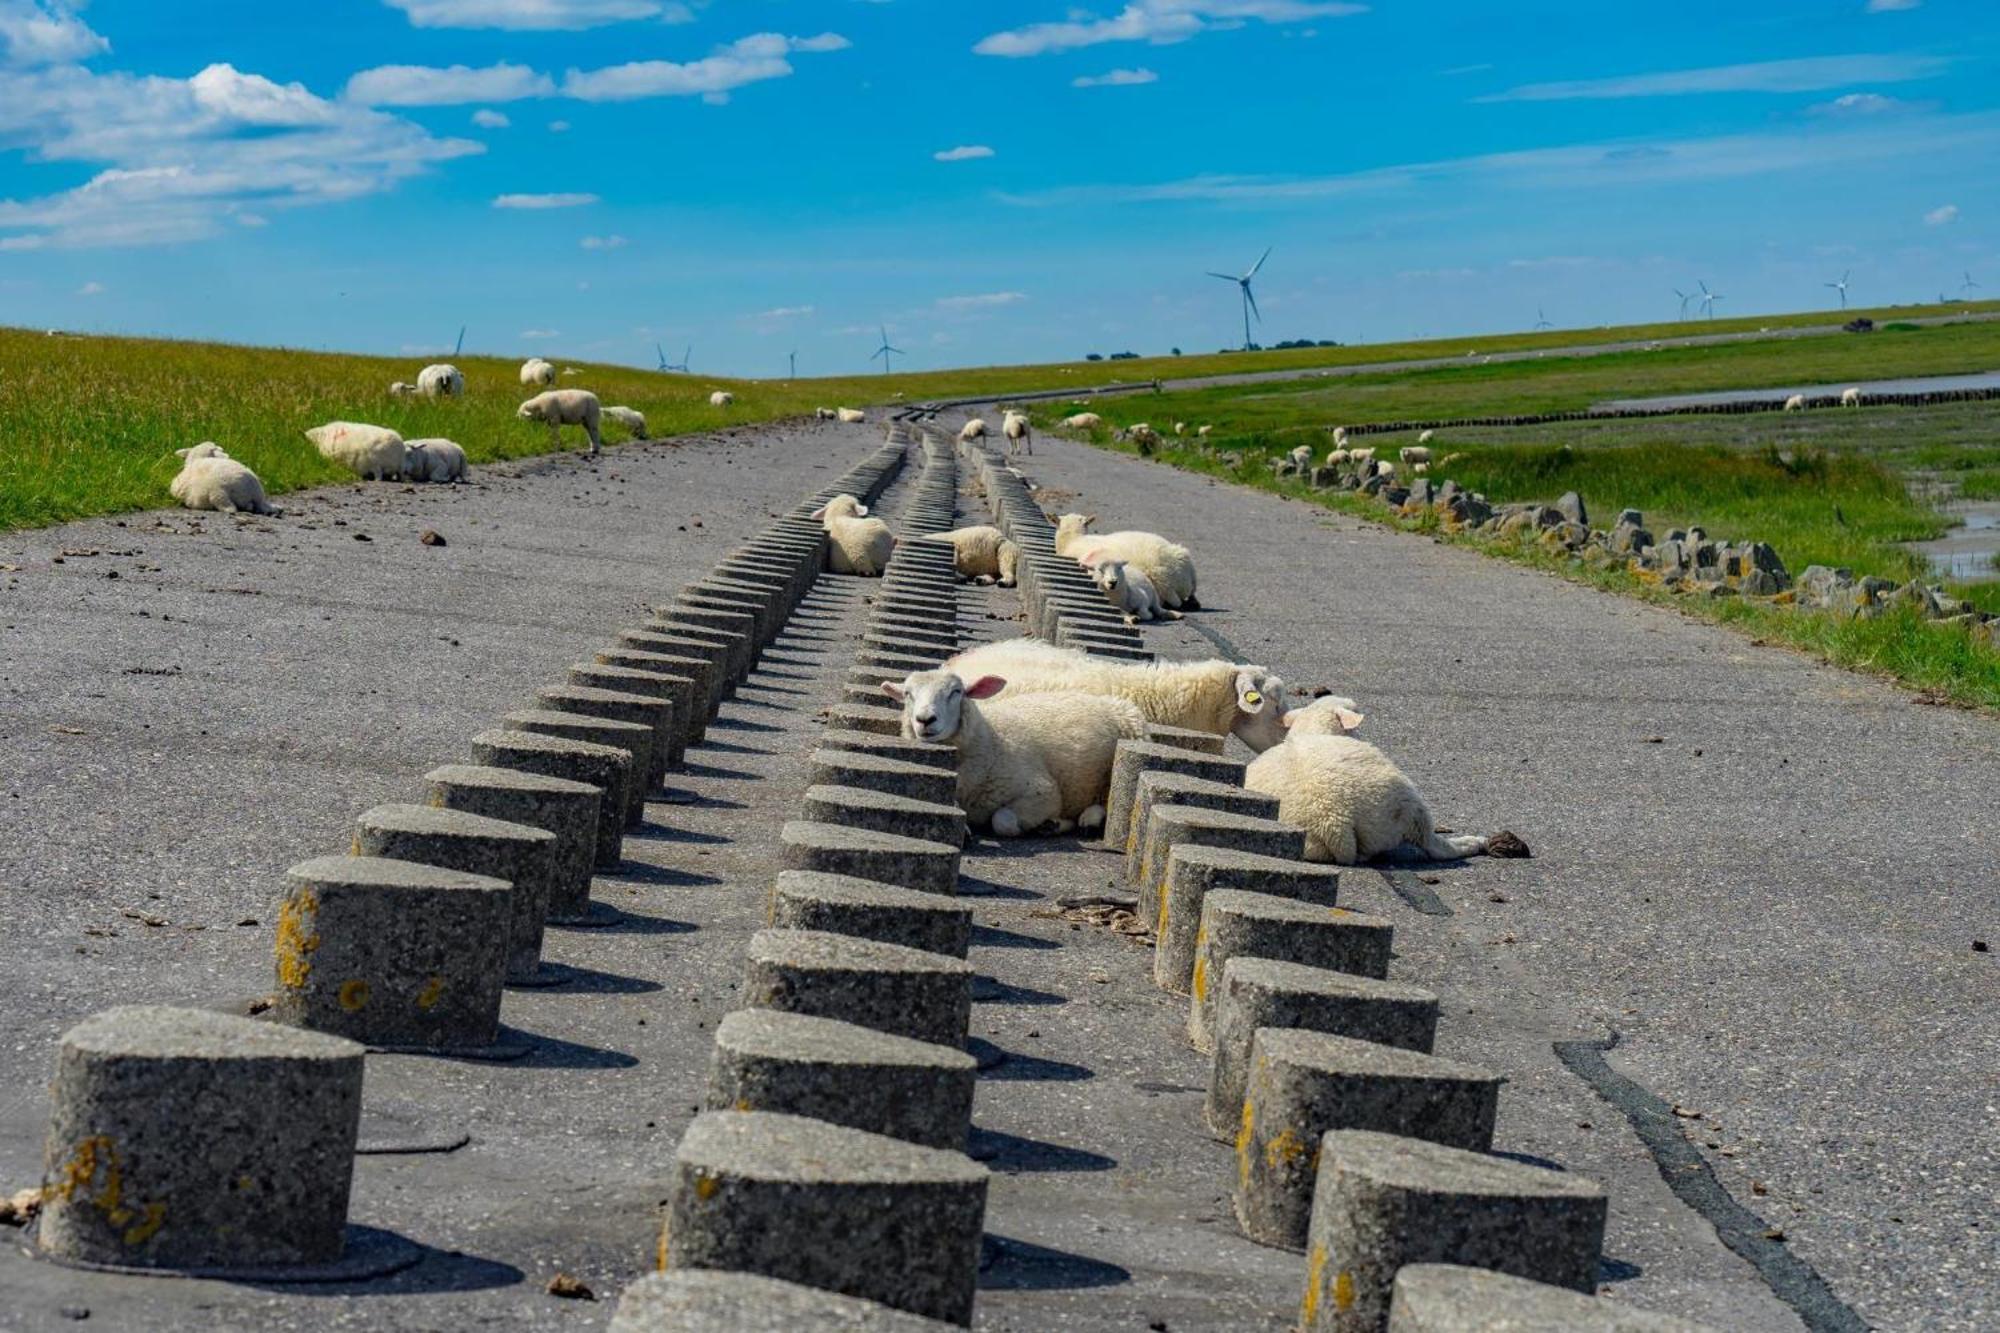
(824,413)
(1796,403)
(1850,396)
(853,416)
(1339,437)
(440,381)
(1361,455)
(1180,428)
(367,451)
(565,407)
(433,460)
(1083,421)
(1170,567)
(1143,435)
(571,370)
(537,371)
(1128,589)
(211,479)
(1014,426)
(400,389)
(630,418)
(1385,470)
(982,553)
(1352,802)
(972,430)
(1420,469)
(1301,457)
(861,545)
(1221,698)
(1424,437)
(1336,457)
(722,398)
(1027,763)
(1202,432)
(1414,454)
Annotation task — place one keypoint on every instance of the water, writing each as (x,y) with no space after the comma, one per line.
(1917,384)
(1965,554)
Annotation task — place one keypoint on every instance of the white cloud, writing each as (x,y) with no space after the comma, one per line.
(45,32)
(1156,21)
(424,85)
(253,100)
(746,60)
(487,119)
(1941,217)
(533,15)
(963,153)
(542,201)
(558,127)
(981,301)
(1858,104)
(784,312)
(540,333)
(603,242)
(1116,78)
(1807,74)
(91,289)
(1891,6)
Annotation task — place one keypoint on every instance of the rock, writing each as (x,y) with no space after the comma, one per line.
(1570,506)
(1394,496)
(432,537)
(1422,492)
(1516,523)
(1760,583)
(1628,538)
(569,1288)
(1630,518)
(1324,477)
(1447,491)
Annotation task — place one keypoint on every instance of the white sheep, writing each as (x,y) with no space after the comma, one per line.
(211,479)
(1411,453)
(366,451)
(565,407)
(433,460)
(440,381)
(401,389)
(972,430)
(860,544)
(1420,469)
(1301,457)
(571,370)
(1127,588)
(981,553)
(721,398)
(1424,436)
(1020,437)
(1026,763)
(853,416)
(1083,421)
(1340,436)
(631,419)
(1361,455)
(1385,470)
(537,371)
(1796,403)
(1170,567)
(1202,432)
(1352,802)
(1336,457)
(1180,428)
(1850,396)
(1221,698)
(1142,434)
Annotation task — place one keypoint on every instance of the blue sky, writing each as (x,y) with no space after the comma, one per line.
(994,182)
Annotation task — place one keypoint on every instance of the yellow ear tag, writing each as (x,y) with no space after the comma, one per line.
(1252,697)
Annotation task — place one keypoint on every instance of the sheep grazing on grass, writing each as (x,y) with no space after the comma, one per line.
(1083,421)
(853,416)
(721,398)
(1027,763)
(1796,403)
(1221,698)
(1129,590)
(1420,469)
(366,451)
(1352,802)
(860,544)
(1414,453)
(1340,437)
(440,381)
(631,419)
(1336,457)
(1361,455)
(1850,397)
(1180,428)
(1170,567)
(537,371)
(1301,457)
(565,407)
(982,553)
(972,429)
(1020,438)
(401,389)
(1424,436)
(1144,436)
(1202,432)
(211,479)
(433,460)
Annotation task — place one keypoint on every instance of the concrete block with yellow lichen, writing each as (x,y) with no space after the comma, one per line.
(1135,757)
(1194,871)
(1261,925)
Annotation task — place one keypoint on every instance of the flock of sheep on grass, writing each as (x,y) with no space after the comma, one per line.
(1036,726)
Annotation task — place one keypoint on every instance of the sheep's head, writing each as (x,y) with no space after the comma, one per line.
(1328,715)
(934,701)
(840,506)
(1108,574)
(533,409)
(1071,526)
(1260,708)
(206,449)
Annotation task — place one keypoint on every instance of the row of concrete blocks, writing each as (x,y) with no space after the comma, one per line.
(1354,1144)
(826,1183)
(202,1142)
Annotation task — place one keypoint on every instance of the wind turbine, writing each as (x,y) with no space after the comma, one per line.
(885,350)
(1685,298)
(1541,320)
(793,358)
(668,365)
(1968,285)
(458,346)
(1249,301)
(1840,287)
(1708,299)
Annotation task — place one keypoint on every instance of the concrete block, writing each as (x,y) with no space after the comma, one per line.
(1201,742)
(566,809)
(691,700)
(655,715)
(799,1064)
(676,692)
(873,718)
(900,663)
(887,987)
(392,954)
(1237,923)
(1136,757)
(694,1301)
(827,1206)
(888,858)
(1263,993)
(192,1141)
(634,738)
(1158,788)
(1304,1084)
(713,659)
(928,753)
(1447,1298)
(606,767)
(1170,826)
(896,777)
(521,854)
(863,808)
(737,646)
(844,905)
(1194,871)
(1383,1203)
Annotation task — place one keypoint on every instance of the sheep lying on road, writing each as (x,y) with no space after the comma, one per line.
(1170,567)
(1796,403)
(981,553)
(1024,763)
(537,371)
(860,544)
(1221,698)
(440,381)
(1019,435)
(211,479)
(1352,802)
(565,407)
(366,451)
(853,416)
(433,460)
(631,419)
(1128,589)
(721,398)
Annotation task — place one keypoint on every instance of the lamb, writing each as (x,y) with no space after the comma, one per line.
(1339,437)
(1014,426)
(1424,437)
(537,371)
(440,381)
(1796,403)
(367,451)
(853,416)
(1414,454)
(1083,421)
(1850,396)
(721,398)
(982,554)
(433,460)
(1170,567)
(1221,698)
(1352,802)
(972,430)
(565,407)
(400,389)
(630,418)
(1032,762)
(1129,590)
(861,545)
(211,479)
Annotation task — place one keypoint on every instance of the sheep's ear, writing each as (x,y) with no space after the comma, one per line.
(183,453)
(985,687)
(1089,519)
(894,689)
(1250,695)
(861,510)
(818,513)
(1349,719)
